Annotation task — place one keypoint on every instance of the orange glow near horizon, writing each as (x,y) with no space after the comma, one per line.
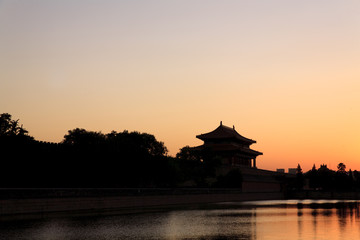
(285,74)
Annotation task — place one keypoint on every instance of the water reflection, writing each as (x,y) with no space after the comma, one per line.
(249,221)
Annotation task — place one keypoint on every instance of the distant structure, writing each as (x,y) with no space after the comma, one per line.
(323,167)
(280,170)
(292,171)
(233,148)
(235,153)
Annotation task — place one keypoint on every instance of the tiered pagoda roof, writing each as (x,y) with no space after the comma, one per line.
(224,132)
(226,139)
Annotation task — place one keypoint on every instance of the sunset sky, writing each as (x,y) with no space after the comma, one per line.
(285,73)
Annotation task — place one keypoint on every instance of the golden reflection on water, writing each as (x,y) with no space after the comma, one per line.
(283,220)
(270,220)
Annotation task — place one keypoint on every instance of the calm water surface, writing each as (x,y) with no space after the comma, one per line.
(289,219)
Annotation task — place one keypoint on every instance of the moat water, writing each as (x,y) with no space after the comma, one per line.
(288,219)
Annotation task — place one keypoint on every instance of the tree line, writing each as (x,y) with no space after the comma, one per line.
(325,179)
(94,159)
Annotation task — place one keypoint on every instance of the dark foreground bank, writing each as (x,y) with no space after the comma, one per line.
(17,204)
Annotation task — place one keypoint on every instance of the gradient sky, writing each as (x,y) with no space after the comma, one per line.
(285,73)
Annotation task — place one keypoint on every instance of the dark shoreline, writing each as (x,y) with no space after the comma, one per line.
(21,204)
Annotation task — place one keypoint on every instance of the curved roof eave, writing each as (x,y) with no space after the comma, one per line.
(224,132)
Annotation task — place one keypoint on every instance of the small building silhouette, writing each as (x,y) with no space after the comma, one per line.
(233,148)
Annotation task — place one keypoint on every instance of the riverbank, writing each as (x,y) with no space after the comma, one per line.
(19,204)
(16,204)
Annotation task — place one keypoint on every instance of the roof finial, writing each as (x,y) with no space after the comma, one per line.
(220,123)
(234,127)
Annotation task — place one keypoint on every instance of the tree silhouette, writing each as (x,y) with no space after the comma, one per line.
(326,177)
(298,169)
(10,127)
(119,159)
(83,159)
(313,177)
(82,137)
(188,154)
(342,180)
(341,168)
(299,178)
